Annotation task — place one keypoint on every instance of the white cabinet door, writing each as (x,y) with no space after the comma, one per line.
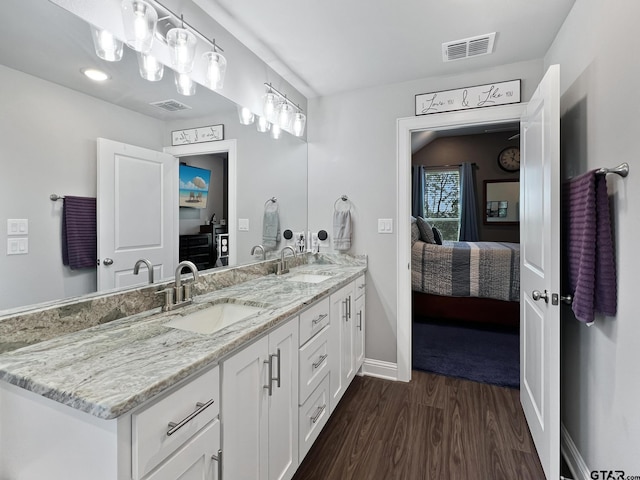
(193,461)
(244,413)
(260,424)
(283,402)
(358,324)
(341,334)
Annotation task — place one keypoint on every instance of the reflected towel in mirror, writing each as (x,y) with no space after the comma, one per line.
(271,226)
(79,237)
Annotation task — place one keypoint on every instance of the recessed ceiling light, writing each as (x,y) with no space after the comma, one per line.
(94,74)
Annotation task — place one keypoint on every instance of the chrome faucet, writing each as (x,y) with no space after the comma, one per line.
(139,263)
(183,293)
(282,267)
(256,247)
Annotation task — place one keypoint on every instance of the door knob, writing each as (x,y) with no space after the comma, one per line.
(537,295)
(107,261)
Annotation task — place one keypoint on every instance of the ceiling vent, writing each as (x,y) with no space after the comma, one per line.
(468,47)
(171,105)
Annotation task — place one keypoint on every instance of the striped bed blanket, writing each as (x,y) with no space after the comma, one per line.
(467,269)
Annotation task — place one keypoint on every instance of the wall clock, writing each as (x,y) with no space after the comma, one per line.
(509,159)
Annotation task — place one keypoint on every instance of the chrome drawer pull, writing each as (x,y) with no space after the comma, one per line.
(315,321)
(320,360)
(200,407)
(359,314)
(315,418)
(218,459)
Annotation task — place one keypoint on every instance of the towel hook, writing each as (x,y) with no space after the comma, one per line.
(272,200)
(344,198)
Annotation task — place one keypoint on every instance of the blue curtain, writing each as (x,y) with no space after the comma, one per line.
(468,210)
(417,191)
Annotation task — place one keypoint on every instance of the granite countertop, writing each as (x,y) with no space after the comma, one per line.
(110,369)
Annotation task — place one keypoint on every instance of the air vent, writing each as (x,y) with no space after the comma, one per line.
(468,47)
(171,105)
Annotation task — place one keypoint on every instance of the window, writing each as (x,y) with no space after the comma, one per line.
(442,201)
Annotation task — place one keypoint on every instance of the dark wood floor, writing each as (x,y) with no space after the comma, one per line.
(434,427)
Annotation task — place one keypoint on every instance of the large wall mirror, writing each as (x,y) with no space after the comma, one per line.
(502,202)
(52,117)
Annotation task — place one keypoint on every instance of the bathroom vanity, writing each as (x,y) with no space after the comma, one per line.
(167,395)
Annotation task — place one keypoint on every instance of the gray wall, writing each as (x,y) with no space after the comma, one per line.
(48,145)
(352,150)
(600,125)
(483,150)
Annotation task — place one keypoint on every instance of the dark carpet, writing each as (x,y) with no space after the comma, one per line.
(480,353)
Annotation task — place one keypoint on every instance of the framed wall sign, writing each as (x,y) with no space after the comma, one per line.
(210,133)
(489,95)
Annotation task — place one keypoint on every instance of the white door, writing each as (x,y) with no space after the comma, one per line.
(283,402)
(244,414)
(137,215)
(540,270)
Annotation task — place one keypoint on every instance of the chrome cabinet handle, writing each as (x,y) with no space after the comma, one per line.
(315,418)
(269,385)
(200,407)
(349,306)
(218,458)
(320,360)
(107,261)
(315,321)
(277,355)
(359,314)
(344,310)
(537,295)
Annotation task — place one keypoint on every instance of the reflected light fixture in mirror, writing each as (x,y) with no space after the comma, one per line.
(95,74)
(107,46)
(216,66)
(245,116)
(275,131)
(299,122)
(139,19)
(281,111)
(269,107)
(150,68)
(183,49)
(262,125)
(285,114)
(184,84)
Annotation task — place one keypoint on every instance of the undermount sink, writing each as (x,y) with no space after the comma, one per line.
(309,278)
(210,320)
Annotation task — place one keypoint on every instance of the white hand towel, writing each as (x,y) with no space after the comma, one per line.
(271,227)
(342,230)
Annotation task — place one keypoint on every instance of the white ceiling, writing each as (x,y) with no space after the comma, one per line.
(330,46)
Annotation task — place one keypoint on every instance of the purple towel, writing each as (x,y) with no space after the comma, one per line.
(79,237)
(589,243)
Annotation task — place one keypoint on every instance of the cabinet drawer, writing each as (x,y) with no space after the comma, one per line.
(314,363)
(313,417)
(314,319)
(360,286)
(150,427)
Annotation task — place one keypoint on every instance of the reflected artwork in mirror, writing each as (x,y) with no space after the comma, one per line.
(502,202)
(52,118)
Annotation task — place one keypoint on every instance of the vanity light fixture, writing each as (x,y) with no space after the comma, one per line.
(150,68)
(182,43)
(107,46)
(282,112)
(139,19)
(184,84)
(95,74)
(276,131)
(215,68)
(245,116)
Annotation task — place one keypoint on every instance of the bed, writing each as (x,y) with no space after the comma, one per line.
(472,281)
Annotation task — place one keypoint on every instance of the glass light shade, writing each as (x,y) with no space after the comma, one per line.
(216,66)
(275,131)
(184,84)
(107,46)
(270,102)
(139,19)
(285,115)
(150,68)
(263,125)
(245,116)
(299,122)
(183,49)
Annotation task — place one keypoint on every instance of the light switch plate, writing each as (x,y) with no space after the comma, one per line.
(385,225)
(17,226)
(243,224)
(17,246)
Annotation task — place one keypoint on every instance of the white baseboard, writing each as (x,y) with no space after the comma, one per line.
(572,456)
(380,369)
